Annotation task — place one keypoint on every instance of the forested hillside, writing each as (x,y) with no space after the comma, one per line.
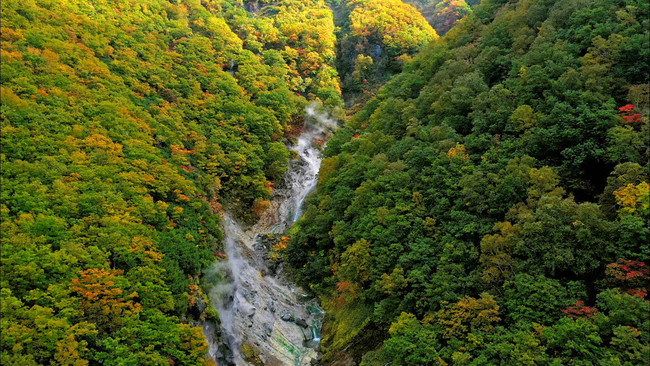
(485,202)
(444,14)
(490,204)
(126,127)
(376,38)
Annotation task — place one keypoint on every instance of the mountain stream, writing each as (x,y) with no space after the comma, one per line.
(264,318)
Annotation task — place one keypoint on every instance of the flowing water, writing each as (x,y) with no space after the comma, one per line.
(262,315)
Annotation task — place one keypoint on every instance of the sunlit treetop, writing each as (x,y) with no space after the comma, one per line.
(397,25)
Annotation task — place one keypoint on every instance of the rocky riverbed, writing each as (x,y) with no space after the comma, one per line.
(263,318)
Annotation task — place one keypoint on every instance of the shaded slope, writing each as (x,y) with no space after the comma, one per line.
(480,169)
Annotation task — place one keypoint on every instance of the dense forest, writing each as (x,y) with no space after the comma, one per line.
(127,126)
(490,204)
(376,39)
(444,14)
(484,201)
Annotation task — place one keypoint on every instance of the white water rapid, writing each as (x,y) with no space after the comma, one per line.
(264,318)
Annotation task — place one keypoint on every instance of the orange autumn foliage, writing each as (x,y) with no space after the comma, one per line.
(103,301)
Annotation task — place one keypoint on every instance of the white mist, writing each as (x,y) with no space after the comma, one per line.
(245,294)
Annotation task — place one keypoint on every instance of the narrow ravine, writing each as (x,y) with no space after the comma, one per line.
(264,318)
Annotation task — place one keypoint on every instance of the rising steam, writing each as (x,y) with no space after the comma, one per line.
(237,277)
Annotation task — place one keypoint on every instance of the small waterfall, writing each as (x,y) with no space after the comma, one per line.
(225,295)
(258,309)
(302,180)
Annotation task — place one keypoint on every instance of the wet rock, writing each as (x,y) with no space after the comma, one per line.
(198,308)
(286,315)
(249,295)
(307,336)
(306,297)
(264,242)
(272,267)
(268,328)
(270,306)
(302,323)
(225,355)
